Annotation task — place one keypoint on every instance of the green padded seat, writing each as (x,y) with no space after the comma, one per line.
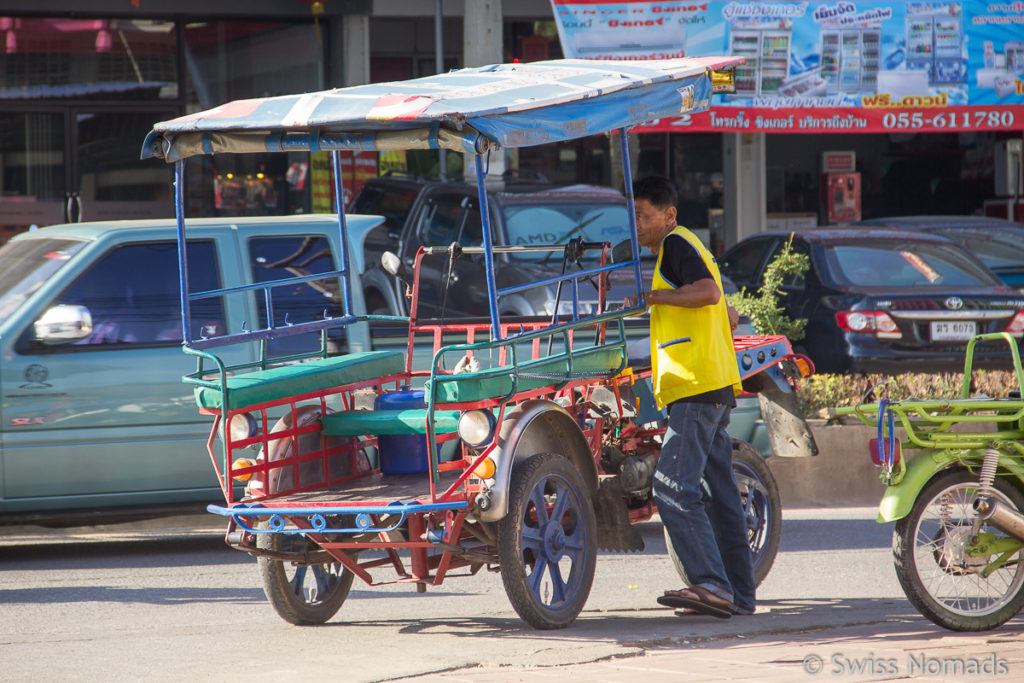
(249,388)
(497,382)
(378,422)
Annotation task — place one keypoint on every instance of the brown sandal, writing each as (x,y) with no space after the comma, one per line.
(697,599)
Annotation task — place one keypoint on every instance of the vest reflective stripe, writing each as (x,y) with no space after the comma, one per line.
(708,360)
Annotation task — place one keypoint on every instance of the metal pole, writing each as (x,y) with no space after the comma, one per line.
(485,219)
(627,181)
(439,68)
(179,210)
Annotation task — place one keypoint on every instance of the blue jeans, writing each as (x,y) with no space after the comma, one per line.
(711,544)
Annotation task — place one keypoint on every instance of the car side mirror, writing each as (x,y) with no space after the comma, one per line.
(623,251)
(63,323)
(390,262)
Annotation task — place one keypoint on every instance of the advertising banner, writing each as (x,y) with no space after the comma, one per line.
(825,67)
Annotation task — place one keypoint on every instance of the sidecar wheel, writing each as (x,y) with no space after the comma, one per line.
(547,543)
(940,579)
(301,594)
(760,495)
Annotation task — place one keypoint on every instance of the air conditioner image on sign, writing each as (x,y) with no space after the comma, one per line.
(632,39)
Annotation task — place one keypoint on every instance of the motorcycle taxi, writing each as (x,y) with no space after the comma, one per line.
(954,475)
(519,447)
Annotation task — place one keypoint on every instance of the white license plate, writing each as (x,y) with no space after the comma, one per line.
(961,330)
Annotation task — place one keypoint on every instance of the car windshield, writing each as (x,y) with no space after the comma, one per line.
(904,264)
(26,266)
(557,223)
(995,248)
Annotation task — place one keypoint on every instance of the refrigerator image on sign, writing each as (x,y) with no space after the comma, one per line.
(766,59)
(934,42)
(849,59)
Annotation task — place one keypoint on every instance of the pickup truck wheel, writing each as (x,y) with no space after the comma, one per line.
(760,496)
(301,594)
(547,543)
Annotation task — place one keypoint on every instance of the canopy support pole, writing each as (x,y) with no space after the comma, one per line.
(179,212)
(339,197)
(485,219)
(627,181)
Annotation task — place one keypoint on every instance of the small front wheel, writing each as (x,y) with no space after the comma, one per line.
(547,543)
(301,594)
(943,579)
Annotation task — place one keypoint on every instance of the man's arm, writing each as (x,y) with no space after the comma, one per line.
(704,292)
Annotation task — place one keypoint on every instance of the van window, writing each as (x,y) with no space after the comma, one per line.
(132,294)
(277,258)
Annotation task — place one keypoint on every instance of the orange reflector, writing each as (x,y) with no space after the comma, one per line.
(803,366)
(485,470)
(243,462)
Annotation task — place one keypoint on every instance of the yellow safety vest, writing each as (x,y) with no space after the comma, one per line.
(708,360)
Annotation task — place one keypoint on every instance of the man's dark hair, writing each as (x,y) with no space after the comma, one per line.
(658,190)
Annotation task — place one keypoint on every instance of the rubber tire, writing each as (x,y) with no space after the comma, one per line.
(906,563)
(292,600)
(521,542)
(764,518)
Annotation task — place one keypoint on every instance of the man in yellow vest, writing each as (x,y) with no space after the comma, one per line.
(695,374)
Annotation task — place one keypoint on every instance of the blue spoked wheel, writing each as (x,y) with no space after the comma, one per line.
(301,592)
(547,544)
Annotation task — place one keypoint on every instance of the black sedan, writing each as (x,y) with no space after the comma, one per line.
(880,300)
(997,243)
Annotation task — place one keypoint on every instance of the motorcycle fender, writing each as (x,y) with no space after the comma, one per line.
(899,498)
(537,426)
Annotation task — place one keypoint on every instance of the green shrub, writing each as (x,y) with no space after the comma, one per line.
(818,393)
(763,309)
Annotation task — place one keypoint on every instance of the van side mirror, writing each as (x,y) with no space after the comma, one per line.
(390,262)
(63,323)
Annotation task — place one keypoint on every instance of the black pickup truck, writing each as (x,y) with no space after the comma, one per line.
(433,213)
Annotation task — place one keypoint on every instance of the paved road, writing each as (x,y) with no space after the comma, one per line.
(171,602)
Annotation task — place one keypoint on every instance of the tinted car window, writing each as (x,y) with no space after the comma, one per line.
(903,265)
(556,223)
(743,262)
(994,248)
(441,223)
(27,265)
(276,258)
(133,297)
(391,202)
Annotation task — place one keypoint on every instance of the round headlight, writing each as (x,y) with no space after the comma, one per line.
(242,426)
(476,427)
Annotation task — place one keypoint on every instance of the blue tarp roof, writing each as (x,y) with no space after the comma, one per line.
(504,105)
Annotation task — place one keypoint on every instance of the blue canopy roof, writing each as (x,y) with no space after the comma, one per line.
(468,110)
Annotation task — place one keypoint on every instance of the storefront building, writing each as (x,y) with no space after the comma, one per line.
(80,88)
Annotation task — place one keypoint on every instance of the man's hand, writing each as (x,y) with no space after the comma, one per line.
(630,301)
(734,316)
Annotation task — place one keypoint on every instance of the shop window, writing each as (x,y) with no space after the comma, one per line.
(126,59)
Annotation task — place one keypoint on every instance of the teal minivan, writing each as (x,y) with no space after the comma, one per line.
(94,417)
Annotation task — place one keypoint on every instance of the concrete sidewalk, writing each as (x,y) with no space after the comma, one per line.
(894,650)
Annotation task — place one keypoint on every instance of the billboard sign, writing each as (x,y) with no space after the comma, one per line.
(825,67)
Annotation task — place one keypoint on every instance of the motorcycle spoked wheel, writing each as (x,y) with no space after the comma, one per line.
(759,493)
(938,577)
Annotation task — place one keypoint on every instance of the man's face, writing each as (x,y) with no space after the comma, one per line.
(652,223)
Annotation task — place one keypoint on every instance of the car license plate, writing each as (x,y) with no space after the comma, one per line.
(961,330)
